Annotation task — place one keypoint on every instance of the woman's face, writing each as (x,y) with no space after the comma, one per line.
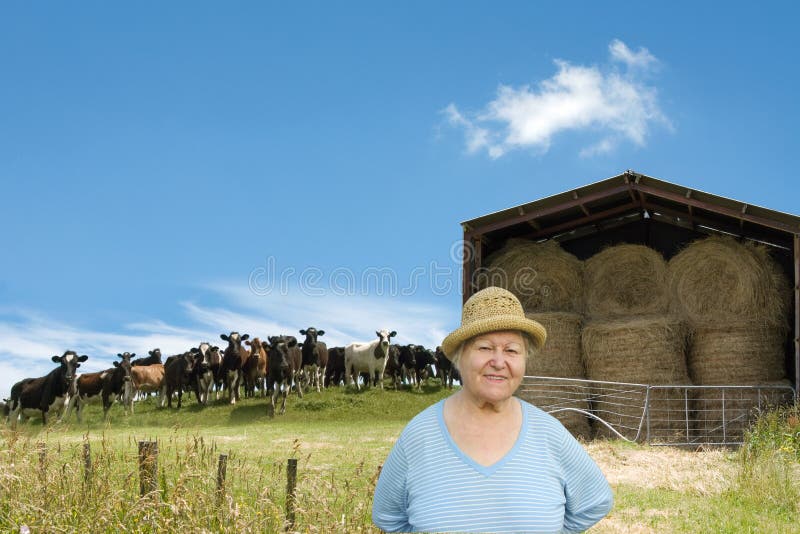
(492,366)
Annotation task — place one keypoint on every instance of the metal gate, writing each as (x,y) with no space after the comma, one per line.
(678,415)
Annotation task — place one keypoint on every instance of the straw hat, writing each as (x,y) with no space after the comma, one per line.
(490,310)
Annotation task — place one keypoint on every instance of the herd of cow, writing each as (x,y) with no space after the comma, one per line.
(273,367)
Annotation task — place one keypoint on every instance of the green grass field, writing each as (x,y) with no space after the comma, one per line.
(340,438)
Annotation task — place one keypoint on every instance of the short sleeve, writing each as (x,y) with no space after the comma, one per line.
(390,502)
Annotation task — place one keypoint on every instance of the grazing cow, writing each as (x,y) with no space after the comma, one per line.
(314,356)
(393,370)
(407,360)
(334,372)
(51,391)
(206,366)
(233,358)
(368,357)
(254,370)
(154,357)
(109,385)
(147,379)
(279,371)
(177,376)
(424,359)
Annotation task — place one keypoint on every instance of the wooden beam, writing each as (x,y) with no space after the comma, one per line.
(796,315)
(575,223)
(537,214)
(736,214)
(583,208)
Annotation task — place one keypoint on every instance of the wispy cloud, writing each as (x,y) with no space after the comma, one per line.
(29,339)
(611,103)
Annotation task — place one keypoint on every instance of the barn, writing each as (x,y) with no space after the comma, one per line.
(673,314)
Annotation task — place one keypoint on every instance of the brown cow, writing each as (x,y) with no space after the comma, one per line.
(233,359)
(147,378)
(109,385)
(254,370)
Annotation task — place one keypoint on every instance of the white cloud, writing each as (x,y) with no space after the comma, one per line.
(612,105)
(30,339)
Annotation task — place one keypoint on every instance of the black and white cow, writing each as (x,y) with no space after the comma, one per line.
(369,357)
(280,371)
(49,392)
(233,358)
(108,385)
(445,369)
(407,360)
(315,356)
(206,366)
(424,359)
(154,356)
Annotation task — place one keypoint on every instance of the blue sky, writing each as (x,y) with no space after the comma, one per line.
(172,171)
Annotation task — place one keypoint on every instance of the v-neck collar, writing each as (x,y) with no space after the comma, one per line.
(482,469)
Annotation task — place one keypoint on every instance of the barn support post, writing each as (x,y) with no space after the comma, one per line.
(148,467)
(291,484)
(796,316)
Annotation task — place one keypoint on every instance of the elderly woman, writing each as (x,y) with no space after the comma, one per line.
(483,460)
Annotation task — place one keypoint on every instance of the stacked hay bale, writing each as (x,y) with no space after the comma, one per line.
(736,300)
(549,283)
(632,338)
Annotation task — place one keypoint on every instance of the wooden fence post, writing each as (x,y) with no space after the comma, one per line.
(148,467)
(87,463)
(291,484)
(221,469)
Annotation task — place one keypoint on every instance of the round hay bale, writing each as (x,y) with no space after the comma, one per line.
(543,276)
(625,280)
(560,357)
(561,354)
(649,350)
(737,354)
(719,279)
(722,415)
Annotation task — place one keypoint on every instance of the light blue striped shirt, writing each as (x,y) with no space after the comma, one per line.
(546,483)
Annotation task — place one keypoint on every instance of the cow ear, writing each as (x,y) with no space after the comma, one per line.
(115,363)
(320,332)
(265,345)
(132,355)
(119,355)
(377,333)
(223,337)
(83,358)
(292,342)
(56,359)
(392,333)
(302,331)
(248,343)
(245,337)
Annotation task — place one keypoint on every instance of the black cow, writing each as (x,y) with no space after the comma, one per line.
(4,409)
(279,369)
(46,392)
(445,369)
(424,359)
(154,357)
(407,360)
(393,369)
(232,360)
(314,356)
(177,376)
(111,384)
(207,364)
(334,372)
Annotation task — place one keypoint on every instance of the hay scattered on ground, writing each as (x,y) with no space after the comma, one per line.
(720,279)
(625,280)
(650,350)
(560,357)
(542,275)
(742,353)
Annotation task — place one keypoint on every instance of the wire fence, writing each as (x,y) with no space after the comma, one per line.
(678,415)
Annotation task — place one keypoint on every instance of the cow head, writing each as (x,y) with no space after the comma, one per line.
(202,355)
(125,364)
(69,362)
(383,342)
(234,339)
(311,334)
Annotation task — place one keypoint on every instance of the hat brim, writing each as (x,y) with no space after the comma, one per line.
(494,324)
